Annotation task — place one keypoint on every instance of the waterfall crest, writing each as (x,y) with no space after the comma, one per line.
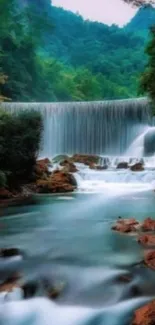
(104,127)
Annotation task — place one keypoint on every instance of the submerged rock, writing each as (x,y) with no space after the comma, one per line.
(125,225)
(149,259)
(148,224)
(147,240)
(145,315)
(57,182)
(97,167)
(60,158)
(41,168)
(122,165)
(85,159)
(138,167)
(69,166)
(30,289)
(10,252)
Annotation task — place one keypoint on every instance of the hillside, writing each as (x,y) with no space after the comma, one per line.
(143,20)
(68,57)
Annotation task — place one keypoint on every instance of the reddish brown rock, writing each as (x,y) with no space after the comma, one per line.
(125,225)
(57,182)
(149,259)
(41,167)
(147,240)
(97,167)
(148,225)
(145,315)
(5,194)
(85,159)
(9,284)
(122,165)
(138,167)
(69,166)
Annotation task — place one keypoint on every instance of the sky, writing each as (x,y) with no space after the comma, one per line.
(106,11)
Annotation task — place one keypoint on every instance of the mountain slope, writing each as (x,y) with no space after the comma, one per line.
(143,20)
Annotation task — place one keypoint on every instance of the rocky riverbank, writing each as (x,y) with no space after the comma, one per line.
(58,176)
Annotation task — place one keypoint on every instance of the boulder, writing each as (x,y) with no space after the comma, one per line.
(147,240)
(69,166)
(145,315)
(122,165)
(41,168)
(59,158)
(97,167)
(57,182)
(85,159)
(149,259)
(138,167)
(125,225)
(148,224)
(10,283)
(10,252)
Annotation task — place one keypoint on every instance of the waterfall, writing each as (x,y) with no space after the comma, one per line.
(104,127)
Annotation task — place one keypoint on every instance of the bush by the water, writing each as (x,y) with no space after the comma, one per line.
(20,138)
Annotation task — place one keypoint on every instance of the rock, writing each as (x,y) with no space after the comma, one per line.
(148,224)
(10,252)
(97,167)
(60,158)
(138,167)
(147,240)
(5,194)
(122,165)
(85,159)
(30,289)
(125,225)
(69,166)
(149,259)
(57,182)
(10,283)
(145,315)
(55,292)
(41,168)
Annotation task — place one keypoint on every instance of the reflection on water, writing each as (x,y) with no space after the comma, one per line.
(68,238)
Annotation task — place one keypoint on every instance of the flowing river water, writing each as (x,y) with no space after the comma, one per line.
(68,238)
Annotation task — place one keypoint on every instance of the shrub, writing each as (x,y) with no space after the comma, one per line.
(20,138)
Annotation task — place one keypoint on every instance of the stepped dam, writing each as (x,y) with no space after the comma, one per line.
(103,127)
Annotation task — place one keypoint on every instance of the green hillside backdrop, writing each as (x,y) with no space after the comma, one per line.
(50,54)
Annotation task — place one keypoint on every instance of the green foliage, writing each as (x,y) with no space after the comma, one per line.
(20,136)
(147,82)
(49,54)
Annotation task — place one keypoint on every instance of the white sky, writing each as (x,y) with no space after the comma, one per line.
(106,11)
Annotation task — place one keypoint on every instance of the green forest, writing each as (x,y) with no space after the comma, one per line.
(49,54)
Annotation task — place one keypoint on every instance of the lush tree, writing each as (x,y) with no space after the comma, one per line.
(20,139)
(147,82)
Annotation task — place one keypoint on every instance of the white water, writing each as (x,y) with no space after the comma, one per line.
(106,127)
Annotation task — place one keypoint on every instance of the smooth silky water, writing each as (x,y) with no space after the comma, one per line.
(68,238)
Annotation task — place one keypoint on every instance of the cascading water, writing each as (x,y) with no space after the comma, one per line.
(71,240)
(107,127)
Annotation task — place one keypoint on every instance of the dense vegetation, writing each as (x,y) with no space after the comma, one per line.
(49,54)
(22,134)
(147,83)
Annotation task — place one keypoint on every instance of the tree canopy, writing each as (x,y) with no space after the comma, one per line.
(50,54)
